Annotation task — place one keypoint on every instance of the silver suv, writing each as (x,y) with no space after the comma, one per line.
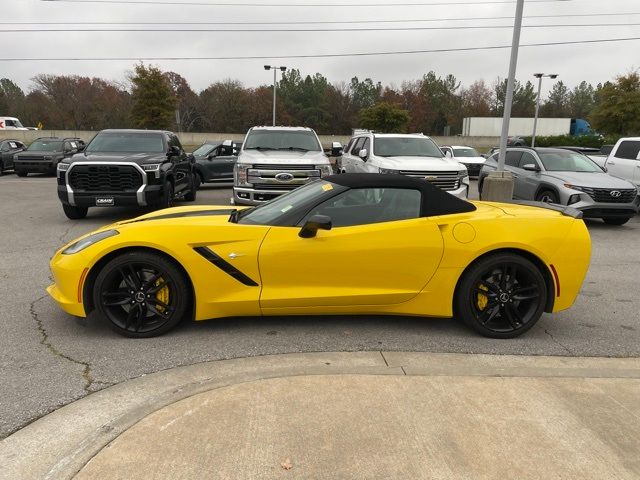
(276,160)
(415,155)
(565,177)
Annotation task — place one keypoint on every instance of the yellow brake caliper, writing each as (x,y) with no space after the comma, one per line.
(162,295)
(482,299)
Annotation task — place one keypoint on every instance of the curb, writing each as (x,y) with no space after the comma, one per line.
(58,445)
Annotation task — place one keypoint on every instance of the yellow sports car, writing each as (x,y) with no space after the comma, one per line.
(346,244)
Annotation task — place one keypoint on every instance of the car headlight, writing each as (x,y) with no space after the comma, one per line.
(241,174)
(574,187)
(88,241)
(151,167)
(325,170)
(386,170)
(63,167)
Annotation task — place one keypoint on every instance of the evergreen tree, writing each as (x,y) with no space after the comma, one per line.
(558,103)
(617,111)
(582,100)
(154,102)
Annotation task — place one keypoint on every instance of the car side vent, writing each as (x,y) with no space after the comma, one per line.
(225,266)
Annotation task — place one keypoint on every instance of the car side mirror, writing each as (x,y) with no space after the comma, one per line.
(448,154)
(313,224)
(531,167)
(191,158)
(173,151)
(363,154)
(484,155)
(336,149)
(211,156)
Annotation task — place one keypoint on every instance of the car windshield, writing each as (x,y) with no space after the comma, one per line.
(205,149)
(301,140)
(568,162)
(268,213)
(45,146)
(129,142)
(465,152)
(405,147)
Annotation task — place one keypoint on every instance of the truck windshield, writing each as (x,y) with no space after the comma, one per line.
(568,162)
(405,147)
(465,152)
(282,140)
(45,146)
(126,142)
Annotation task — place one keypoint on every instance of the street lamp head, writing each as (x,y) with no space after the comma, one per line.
(283,68)
(267,67)
(538,75)
(553,75)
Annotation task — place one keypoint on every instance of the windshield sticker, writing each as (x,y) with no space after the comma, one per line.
(287,208)
(13,145)
(327,186)
(74,145)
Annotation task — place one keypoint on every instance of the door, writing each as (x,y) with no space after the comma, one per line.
(182,165)
(357,262)
(512,164)
(527,183)
(220,163)
(5,155)
(624,162)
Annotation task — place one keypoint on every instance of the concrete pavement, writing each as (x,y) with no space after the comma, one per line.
(348,415)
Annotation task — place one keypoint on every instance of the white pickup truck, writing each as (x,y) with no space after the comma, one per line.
(624,160)
(276,160)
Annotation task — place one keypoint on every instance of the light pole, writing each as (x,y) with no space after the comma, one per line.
(275,69)
(535,118)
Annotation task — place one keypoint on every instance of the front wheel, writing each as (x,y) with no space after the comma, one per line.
(616,220)
(501,296)
(75,213)
(193,189)
(141,294)
(21,173)
(167,196)
(548,196)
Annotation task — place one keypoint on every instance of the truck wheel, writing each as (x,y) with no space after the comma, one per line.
(167,196)
(193,189)
(21,173)
(616,220)
(75,213)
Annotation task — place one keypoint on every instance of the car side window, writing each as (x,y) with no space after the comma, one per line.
(527,159)
(629,150)
(367,145)
(349,145)
(174,142)
(357,146)
(513,159)
(362,206)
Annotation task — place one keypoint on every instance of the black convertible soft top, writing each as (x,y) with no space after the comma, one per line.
(434,200)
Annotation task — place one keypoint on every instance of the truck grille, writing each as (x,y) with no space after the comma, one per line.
(603,195)
(105,178)
(268,177)
(443,180)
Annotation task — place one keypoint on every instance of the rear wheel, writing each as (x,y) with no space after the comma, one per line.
(75,213)
(501,296)
(616,220)
(21,173)
(548,196)
(141,294)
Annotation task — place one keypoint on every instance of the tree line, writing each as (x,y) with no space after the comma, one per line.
(433,104)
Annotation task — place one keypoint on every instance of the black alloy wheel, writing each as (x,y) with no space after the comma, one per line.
(193,188)
(167,195)
(75,213)
(141,294)
(21,173)
(548,196)
(501,296)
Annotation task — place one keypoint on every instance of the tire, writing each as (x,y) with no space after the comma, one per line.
(548,196)
(616,220)
(480,184)
(193,189)
(199,180)
(75,213)
(167,196)
(21,173)
(161,296)
(515,299)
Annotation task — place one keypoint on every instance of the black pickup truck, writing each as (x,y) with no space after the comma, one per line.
(126,168)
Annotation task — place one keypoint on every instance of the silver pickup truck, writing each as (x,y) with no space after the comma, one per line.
(276,160)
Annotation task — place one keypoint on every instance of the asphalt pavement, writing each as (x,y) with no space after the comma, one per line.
(49,359)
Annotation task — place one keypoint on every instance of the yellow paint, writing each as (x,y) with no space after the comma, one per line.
(408,267)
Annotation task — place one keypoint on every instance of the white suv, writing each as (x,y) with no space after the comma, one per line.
(414,155)
(624,160)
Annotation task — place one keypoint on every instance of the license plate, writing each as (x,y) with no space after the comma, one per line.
(105,202)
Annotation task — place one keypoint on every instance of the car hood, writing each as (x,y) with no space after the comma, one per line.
(594,180)
(283,156)
(138,158)
(470,159)
(419,163)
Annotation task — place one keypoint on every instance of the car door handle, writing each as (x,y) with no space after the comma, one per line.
(611,163)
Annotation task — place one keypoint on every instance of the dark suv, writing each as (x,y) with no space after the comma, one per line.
(126,168)
(8,149)
(44,154)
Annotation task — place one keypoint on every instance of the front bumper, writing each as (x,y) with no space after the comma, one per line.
(35,166)
(591,209)
(461,192)
(249,196)
(473,168)
(68,277)
(149,195)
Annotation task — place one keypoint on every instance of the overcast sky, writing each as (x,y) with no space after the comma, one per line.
(592,62)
